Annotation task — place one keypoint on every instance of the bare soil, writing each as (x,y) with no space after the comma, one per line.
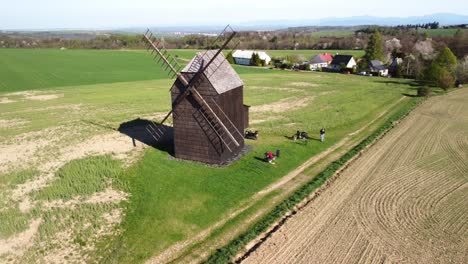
(283,105)
(303,84)
(8,123)
(20,242)
(402,201)
(6,100)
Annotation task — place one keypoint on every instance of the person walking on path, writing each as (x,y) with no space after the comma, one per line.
(322,134)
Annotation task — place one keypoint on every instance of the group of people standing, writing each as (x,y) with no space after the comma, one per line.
(304,135)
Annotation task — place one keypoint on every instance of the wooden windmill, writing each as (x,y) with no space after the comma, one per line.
(209,116)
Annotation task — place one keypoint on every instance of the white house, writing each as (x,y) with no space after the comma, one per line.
(342,60)
(243,57)
(320,61)
(376,67)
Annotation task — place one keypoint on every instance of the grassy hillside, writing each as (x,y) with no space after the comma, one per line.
(169,201)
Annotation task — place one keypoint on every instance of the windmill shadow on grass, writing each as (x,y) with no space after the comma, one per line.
(149,133)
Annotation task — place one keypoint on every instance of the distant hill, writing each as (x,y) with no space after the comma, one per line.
(346,22)
(442,18)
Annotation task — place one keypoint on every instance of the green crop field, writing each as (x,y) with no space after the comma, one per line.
(449,32)
(333,33)
(73,188)
(308,54)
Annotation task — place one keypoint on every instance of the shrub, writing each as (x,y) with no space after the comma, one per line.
(440,76)
(446,80)
(230,58)
(424,91)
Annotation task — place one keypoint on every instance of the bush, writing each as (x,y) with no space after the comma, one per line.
(440,76)
(230,58)
(446,80)
(424,91)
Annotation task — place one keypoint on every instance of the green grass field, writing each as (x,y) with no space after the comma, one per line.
(88,94)
(308,54)
(450,32)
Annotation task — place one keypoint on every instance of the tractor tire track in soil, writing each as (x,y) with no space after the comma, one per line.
(403,200)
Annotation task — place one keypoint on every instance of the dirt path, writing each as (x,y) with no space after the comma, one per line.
(403,201)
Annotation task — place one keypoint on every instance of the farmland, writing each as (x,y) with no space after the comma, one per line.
(403,201)
(73,188)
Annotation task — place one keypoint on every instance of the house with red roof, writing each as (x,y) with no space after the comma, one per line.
(320,61)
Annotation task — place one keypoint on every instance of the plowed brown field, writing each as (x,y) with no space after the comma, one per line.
(404,201)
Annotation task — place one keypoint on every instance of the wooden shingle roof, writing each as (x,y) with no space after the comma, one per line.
(220,73)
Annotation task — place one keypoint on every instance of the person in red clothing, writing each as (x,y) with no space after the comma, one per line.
(269,157)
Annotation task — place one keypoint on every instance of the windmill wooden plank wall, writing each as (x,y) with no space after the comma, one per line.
(194,139)
(207,104)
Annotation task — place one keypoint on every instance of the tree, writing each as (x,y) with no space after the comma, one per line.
(398,71)
(375,48)
(439,75)
(230,58)
(255,60)
(446,59)
(458,43)
(462,71)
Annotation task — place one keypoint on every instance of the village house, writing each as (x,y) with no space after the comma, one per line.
(243,57)
(341,62)
(377,68)
(320,61)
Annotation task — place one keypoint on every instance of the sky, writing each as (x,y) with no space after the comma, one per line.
(97,14)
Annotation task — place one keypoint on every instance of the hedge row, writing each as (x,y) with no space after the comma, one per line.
(228,252)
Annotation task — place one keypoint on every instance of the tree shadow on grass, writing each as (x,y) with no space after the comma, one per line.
(301,140)
(149,133)
(409,95)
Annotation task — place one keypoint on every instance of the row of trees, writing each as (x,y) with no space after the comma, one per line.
(433,25)
(247,40)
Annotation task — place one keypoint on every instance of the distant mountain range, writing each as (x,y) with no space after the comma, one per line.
(442,18)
